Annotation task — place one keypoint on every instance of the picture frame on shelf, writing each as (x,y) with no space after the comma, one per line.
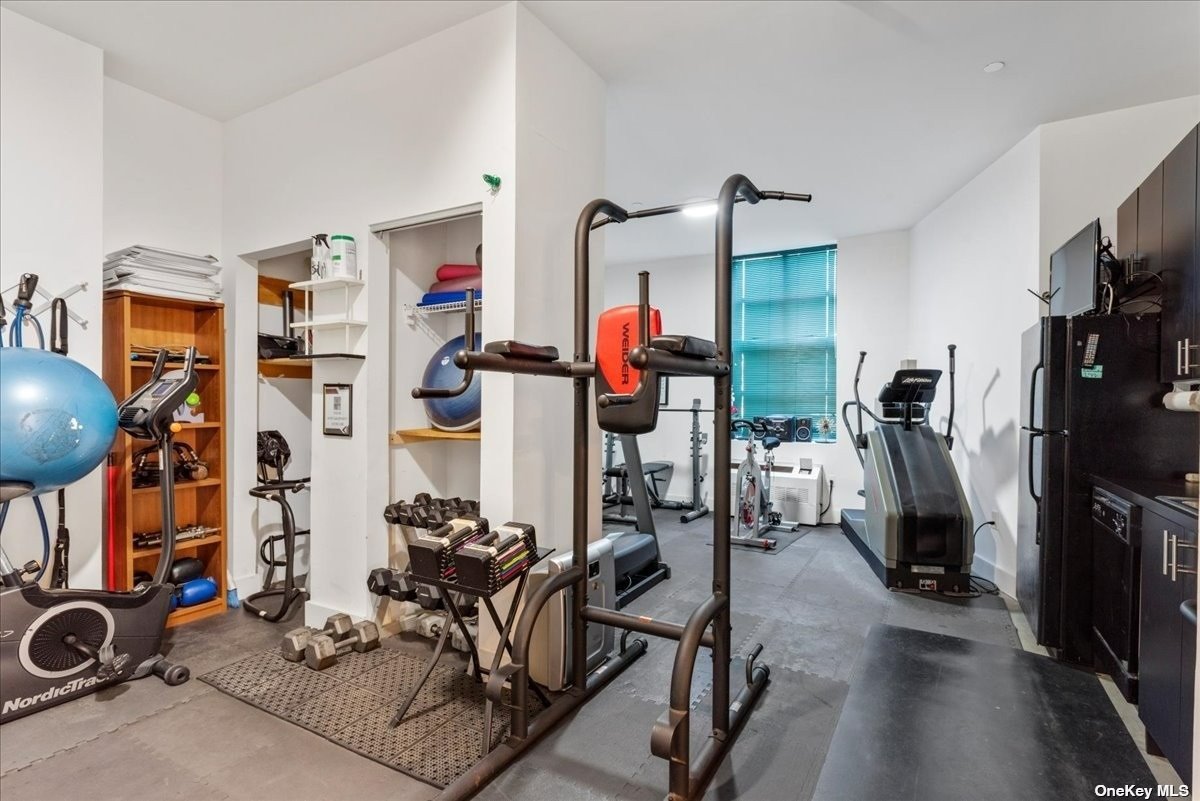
(338,410)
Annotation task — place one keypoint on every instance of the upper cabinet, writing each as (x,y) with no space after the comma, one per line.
(1179,267)
(1158,232)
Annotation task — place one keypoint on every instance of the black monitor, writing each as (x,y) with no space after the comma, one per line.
(1074,273)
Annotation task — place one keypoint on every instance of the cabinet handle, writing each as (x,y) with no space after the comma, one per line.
(1175,546)
(1166,553)
(1179,357)
(1188,347)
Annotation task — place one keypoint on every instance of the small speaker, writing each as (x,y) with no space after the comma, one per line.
(803,429)
(777,426)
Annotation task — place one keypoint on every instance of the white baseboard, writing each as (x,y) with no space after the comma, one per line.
(1004,579)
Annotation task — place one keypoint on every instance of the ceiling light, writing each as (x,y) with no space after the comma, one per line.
(995,66)
(702,209)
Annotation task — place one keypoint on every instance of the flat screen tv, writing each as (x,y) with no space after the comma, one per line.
(1074,273)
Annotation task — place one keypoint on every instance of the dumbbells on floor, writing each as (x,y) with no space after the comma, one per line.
(337,627)
(322,650)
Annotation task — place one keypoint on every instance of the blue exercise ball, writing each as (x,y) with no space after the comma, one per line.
(461,413)
(58,420)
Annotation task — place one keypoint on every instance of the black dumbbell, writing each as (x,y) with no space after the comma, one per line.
(397,513)
(337,627)
(402,588)
(322,651)
(421,499)
(377,581)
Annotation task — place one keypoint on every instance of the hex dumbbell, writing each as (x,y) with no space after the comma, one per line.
(337,627)
(322,650)
(377,581)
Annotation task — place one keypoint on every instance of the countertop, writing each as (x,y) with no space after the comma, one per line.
(1144,493)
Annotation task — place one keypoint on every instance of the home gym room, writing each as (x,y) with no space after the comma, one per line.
(824,425)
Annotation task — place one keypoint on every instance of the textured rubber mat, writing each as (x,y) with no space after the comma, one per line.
(782,540)
(352,703)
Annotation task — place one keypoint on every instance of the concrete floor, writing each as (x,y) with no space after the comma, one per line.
(811,605)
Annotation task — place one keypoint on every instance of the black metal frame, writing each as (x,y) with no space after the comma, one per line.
(670,738)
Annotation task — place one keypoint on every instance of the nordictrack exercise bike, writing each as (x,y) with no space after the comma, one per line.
(753,509)
(57,645)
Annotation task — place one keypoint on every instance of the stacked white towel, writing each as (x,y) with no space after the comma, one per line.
(155,271)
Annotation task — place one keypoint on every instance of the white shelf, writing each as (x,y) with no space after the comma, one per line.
(326,283)
(442,308)
(318,325)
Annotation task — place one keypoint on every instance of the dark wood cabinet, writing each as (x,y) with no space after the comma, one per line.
(1177,266)
(1166,673)
(1127,221)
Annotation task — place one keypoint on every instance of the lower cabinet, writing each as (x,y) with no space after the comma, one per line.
(1167,652)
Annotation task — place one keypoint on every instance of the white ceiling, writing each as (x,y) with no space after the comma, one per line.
(224,58)
(881,110)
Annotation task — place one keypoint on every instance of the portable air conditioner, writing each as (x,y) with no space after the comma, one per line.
(797,491)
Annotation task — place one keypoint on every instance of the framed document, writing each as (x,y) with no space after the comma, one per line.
(339,410)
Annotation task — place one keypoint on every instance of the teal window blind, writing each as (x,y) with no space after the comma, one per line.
(784,334)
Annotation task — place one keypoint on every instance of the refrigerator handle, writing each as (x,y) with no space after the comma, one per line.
(1033,434)
(1041,366)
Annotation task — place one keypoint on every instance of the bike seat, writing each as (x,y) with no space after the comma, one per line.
(770,443)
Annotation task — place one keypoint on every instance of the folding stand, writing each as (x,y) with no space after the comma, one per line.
(446,590)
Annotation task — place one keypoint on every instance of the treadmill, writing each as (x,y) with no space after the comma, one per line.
(637,561)
(916,530)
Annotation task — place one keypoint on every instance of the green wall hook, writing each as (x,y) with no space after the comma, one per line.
(493,182)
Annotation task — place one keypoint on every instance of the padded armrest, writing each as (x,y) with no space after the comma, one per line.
(521,350)
(683,345)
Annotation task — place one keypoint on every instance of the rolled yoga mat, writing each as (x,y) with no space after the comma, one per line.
(448,272)
(458,284)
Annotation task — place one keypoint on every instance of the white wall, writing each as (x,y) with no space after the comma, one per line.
(162,174)
(1089,165)
(971,260)
(872,315)
(399,145)
(51,207)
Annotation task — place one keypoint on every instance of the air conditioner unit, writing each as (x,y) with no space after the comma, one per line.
(797,491)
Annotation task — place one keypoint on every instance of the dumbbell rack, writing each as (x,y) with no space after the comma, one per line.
(446,591)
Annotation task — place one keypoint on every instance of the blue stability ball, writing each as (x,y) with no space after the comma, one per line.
(58,420)
(452,414)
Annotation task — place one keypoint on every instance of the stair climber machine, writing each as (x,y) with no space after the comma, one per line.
(631,355)
(61,644)
(916,531)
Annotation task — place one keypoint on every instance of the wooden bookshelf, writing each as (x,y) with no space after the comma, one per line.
(135,319)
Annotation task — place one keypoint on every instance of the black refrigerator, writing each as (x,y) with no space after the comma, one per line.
(1092,406)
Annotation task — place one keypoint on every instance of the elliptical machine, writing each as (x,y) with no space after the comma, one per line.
(60,644)
(916,531)
(273,456)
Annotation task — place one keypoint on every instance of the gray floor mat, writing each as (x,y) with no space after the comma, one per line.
(352,703)
(782,540)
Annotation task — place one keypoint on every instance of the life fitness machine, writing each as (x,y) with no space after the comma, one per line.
(916,531)
(68,643)
(626,402)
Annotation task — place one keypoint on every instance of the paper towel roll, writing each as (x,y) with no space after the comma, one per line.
(1182,401)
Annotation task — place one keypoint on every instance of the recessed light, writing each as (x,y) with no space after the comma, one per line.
(702,209)
(995,66)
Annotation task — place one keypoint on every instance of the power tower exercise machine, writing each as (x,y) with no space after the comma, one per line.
(62,644)
(916,529)
(625,371)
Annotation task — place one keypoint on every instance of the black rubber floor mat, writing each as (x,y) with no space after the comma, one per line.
(782,540)
(352,703)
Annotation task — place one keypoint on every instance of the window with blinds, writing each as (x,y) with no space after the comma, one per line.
(784,335)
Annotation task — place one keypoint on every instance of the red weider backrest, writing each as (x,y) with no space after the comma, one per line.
(616,336)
